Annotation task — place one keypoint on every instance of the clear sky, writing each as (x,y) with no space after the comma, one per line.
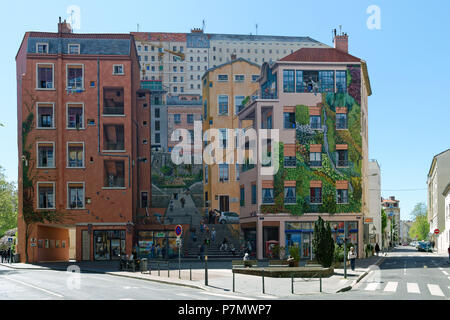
(408,62)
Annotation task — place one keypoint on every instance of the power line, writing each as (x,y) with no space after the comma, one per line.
(419,189)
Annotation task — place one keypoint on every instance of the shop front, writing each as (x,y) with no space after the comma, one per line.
(157,244)
(109,244)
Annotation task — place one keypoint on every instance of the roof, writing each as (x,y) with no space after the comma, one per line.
(320,55)
(433,162)
(160,36)
(230,62)
(446,190)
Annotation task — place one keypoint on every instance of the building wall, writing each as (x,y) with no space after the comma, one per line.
(374,187)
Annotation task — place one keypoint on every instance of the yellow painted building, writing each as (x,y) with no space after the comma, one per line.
(224,89)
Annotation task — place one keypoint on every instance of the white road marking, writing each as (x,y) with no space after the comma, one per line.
(32,286)
(372,286)
(391,286)
(412,287)
(445,272)
(435,290)
(226,296)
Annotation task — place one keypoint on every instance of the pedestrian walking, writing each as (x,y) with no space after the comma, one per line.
(352,258)
(213,235)
(202,251)
(182,202)
(249,246)
(202,227)
(1,256)
(377,249)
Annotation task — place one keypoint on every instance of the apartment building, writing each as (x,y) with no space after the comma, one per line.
(317,99)
(180,59)
(83,154)
(373,216)
(404,231)
(437,180)
(225,88)
(446,232)
(392,209)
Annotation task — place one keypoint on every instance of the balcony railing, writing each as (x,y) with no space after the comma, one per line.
(115,182)
(342,163)
(342,200)
(75,163)
(267,200)
(315,125)
(316,200)
(260,95)
(290,200)
(315,163)
(341,124)
(114,145)
(290,162)
(116,110)
(247,166)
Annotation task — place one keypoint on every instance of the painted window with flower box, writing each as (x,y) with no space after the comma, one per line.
(290,192)
(75,195)
(342,192)
(315,192)
(46,195)
(46,155)
(45,115)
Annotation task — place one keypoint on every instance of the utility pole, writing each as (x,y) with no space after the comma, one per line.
(345,249)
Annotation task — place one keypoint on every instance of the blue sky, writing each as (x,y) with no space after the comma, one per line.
(407,60)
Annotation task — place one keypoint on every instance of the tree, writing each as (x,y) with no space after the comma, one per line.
(8,204)
(383,224)
(420,227)
(323,243)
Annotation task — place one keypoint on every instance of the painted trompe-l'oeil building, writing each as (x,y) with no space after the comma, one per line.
(317,98)
(84,144)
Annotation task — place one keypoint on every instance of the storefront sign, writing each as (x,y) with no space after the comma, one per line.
(160,234)
(368,220)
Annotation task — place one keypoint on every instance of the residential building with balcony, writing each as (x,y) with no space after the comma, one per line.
(225,89)
(317,98)
(392,208)
(437,179)
(81,145)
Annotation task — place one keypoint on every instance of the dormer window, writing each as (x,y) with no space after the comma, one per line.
(42,47)
(74,49)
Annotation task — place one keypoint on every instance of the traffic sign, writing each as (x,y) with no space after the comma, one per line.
(178,230)
(368,220)
(436,231)
(10,239)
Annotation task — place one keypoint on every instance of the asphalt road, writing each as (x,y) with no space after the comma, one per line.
(405,274)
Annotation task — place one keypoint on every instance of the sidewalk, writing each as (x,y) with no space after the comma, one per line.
(220,277)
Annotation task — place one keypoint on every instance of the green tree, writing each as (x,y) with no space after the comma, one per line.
(323,243)
(8,204)
(420,227)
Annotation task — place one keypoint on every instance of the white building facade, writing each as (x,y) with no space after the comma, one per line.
(445,234)
(374,202)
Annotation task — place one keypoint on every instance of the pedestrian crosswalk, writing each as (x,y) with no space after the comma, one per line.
(411,287)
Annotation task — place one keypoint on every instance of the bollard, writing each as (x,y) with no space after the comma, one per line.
(179,271)
(233,280)
(150,268)
(168,270)
(263,281)
(159,270)
(190,272)
(292,283)
(320,282)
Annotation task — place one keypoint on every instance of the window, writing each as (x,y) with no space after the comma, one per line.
(181,79)
(75,155)
(288,80)
(242,196)
(239,78)
(74,49)
(157,125)
(341,81)
(174,79)
(223,105)
(205,109)
(290,161)
(238,103)
(175,89)
(326,81)
(299,85)
(181,69)
(177,118)
(75,76)
(223,138)
(45,116)
(157,138)
(75,196)
(145,48)
(314,122)
(45,76)
(316,195)
(223,172)
(182,88)
(255,77)
(42,47)
(315,159)
(341,121)
(253,193)
(75,116)
(144,199)
(113,137)
(342,196)
(289,120)
(206,173)
(114,174)
(222,77)
(289,195)
(118,69)
(113,101)
(139,48)
(46,154)
(342,158)
(190,118)
(267,195)
(156,112)
(46,195)
(237,170)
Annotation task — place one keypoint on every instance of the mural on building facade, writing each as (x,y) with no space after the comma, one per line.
(329,172)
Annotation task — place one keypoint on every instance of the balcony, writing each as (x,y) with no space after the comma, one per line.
(290,162)
(342,163)
(259,95)
(113,145)
(315,125)
(113,101)
(315,200)
(267,200)
(315,163)
(114,181)
(290,200)
(341,124)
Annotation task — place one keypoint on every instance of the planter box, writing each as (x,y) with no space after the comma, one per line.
(287,272)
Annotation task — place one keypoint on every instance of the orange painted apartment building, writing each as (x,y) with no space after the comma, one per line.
(84,145)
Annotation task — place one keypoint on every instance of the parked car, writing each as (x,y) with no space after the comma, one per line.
(424,246)
(228,217)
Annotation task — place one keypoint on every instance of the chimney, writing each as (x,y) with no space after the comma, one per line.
(233,56)
(341,42)
(196,30)
(64,27)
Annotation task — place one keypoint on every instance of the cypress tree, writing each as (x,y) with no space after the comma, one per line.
(323,243)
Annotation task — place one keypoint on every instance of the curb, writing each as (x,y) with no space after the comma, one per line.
(348,288)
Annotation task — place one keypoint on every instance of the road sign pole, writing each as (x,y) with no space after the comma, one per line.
(345,249)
